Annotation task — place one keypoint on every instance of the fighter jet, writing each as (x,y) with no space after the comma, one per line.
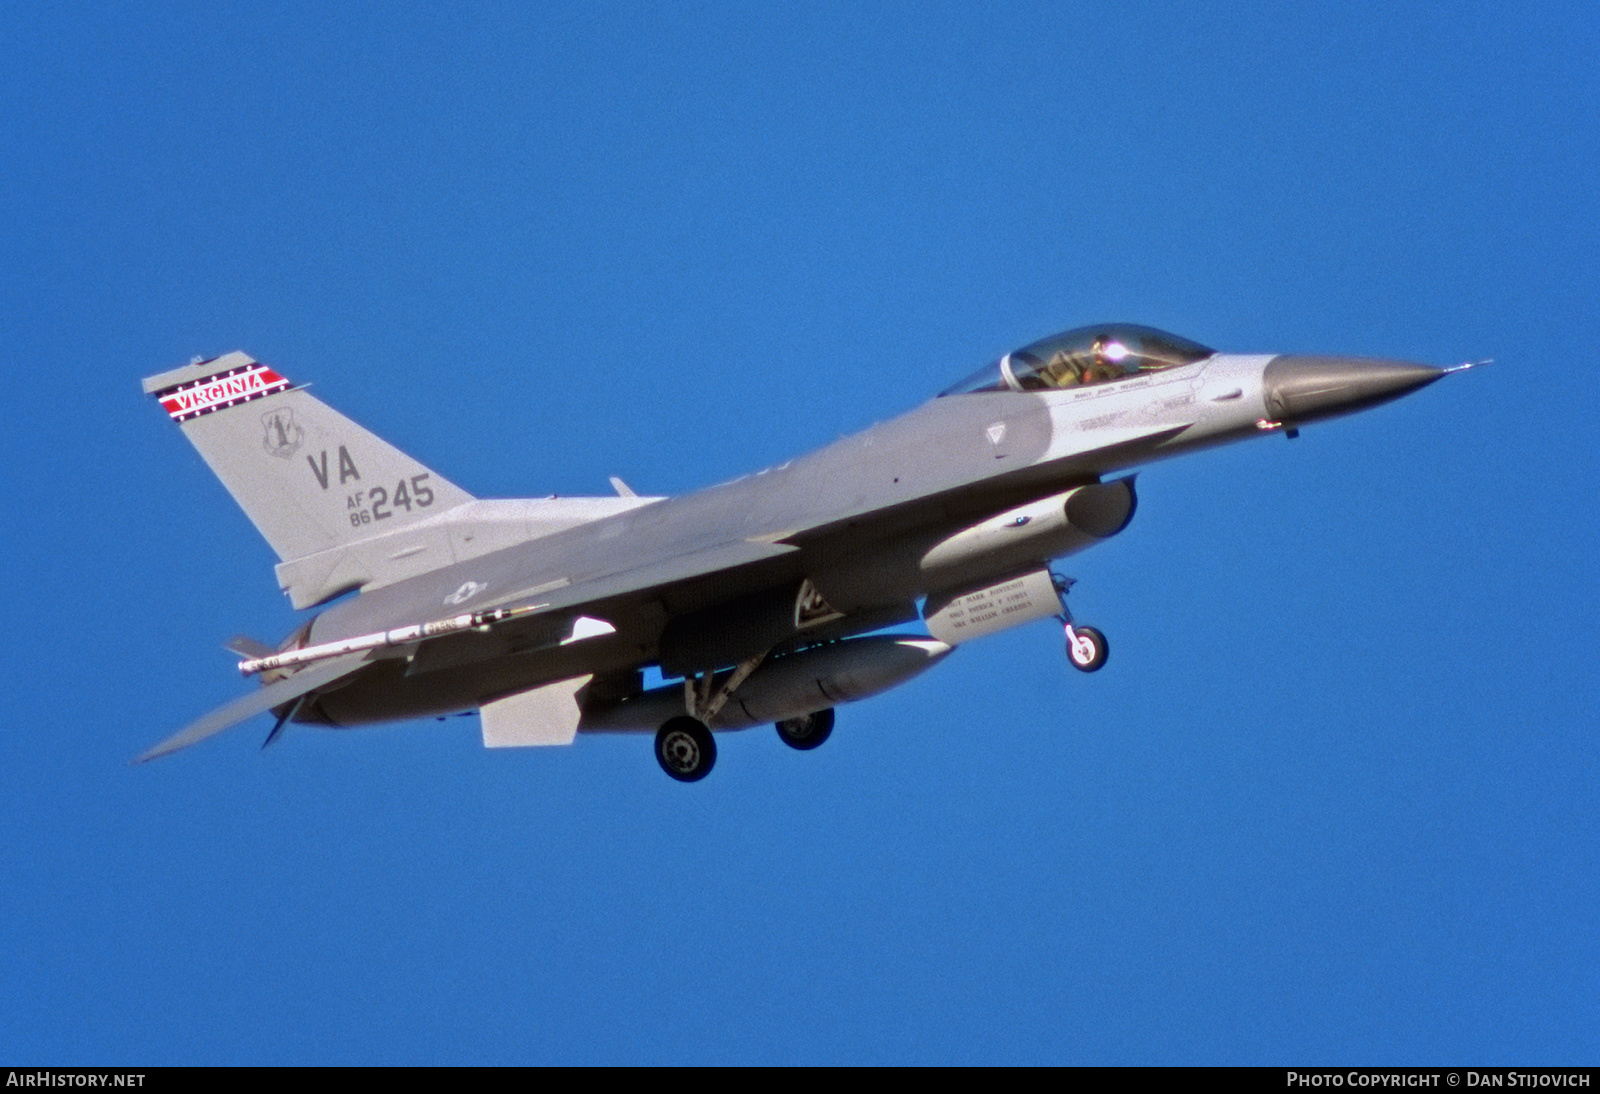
(763,600)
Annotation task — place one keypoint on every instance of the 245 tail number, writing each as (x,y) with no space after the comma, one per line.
(367,506)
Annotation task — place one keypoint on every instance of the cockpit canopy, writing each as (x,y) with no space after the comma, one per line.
(1085,355)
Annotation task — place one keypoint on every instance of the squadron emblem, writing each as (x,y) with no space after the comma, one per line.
(282,435)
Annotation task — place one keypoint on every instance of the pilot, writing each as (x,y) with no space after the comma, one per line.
(1062,370)
(1104,363)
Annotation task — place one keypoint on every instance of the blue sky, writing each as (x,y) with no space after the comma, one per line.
(1332,800)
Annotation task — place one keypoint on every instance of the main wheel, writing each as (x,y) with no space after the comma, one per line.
(684,749)
(1088,651)
(807,731)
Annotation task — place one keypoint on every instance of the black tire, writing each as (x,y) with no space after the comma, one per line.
(685,749)
(807,731)
(1101,650)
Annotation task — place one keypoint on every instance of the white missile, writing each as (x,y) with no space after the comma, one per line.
(582,627)
(790,686)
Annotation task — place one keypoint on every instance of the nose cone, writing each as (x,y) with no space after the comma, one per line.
(1304,389)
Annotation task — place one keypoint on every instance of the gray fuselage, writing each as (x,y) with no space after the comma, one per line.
(853,517)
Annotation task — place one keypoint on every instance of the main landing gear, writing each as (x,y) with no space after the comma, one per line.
(1086,647)
(808,731)
(685,748)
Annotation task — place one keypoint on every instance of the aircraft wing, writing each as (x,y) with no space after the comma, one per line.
(744,536)
(275,694)
(714,577)
(576,576)
(706,563)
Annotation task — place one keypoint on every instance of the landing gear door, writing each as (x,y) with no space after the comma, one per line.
(961,617)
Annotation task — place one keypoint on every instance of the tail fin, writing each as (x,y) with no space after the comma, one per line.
(309,478)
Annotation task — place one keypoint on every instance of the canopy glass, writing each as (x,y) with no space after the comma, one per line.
(1085,355)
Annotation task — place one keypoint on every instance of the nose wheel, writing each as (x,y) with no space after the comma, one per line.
(1086,646)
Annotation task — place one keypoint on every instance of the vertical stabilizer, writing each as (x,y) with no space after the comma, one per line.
(309,478)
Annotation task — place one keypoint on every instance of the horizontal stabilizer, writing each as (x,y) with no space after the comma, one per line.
(468,530)
(248,706)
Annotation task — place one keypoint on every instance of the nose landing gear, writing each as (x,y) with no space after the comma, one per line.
(1086,646)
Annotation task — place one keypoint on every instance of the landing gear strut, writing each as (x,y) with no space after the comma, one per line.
(1086,647)
(685,748)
